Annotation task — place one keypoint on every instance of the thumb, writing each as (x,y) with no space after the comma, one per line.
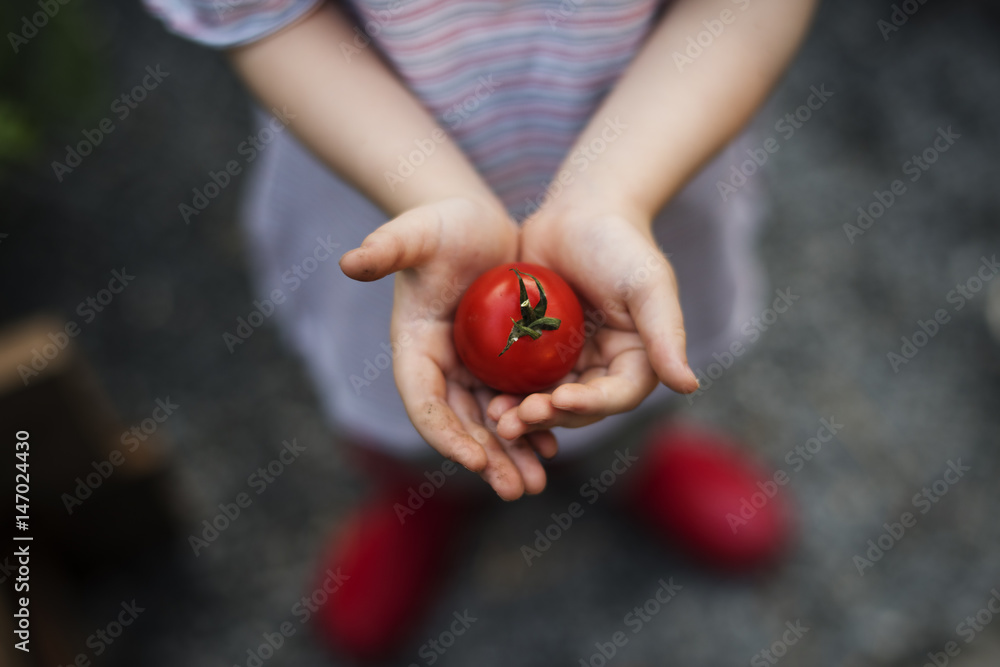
(405,242)
(656,311)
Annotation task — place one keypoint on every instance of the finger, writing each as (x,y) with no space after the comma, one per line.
(531,469)
(513,424)
(510,426)
(535,409)
(501,471)
(500,404)
(423,389)
(531,414)
(656,311)
(543,442)
(628,380)
(543,416)
(601,392)
(405,242)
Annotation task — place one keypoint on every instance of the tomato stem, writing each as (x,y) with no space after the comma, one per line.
(533,320)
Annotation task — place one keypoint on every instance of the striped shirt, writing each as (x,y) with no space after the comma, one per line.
(512,81)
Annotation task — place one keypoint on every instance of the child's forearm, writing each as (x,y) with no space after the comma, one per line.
(667,116)
(354,114)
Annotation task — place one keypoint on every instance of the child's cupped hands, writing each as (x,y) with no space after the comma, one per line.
(436,250)
(626,283)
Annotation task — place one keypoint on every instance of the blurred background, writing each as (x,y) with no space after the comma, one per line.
(149,360)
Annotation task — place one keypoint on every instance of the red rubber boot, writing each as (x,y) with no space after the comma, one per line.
(697,489)
(391,558)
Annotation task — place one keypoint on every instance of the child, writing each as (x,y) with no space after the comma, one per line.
(452,119)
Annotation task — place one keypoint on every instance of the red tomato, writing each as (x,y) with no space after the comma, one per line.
(516,347)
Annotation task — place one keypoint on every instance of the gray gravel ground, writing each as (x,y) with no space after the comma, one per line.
(827,357)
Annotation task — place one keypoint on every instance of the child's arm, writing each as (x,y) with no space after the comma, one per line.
(679,116)
(672,118)
(353,113)
(448,226)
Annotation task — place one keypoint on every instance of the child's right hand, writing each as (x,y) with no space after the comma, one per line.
(436,250)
